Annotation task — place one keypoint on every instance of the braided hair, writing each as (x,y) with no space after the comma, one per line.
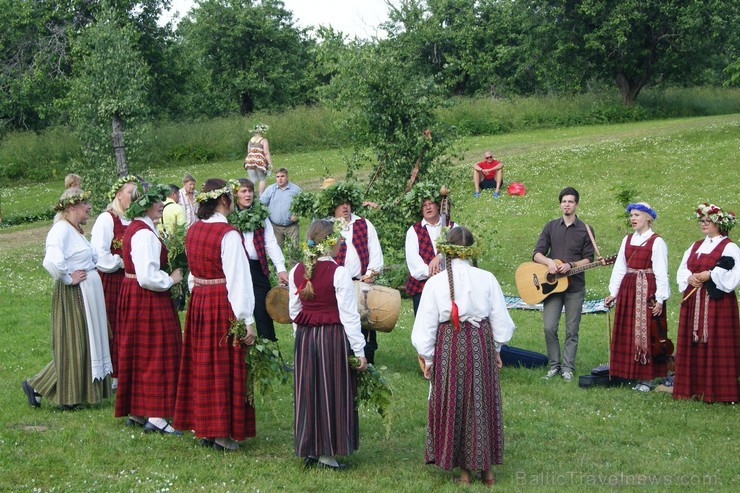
(318,231)
(459,236)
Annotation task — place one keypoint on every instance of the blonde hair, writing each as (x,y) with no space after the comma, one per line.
(115,205)
(317,232)
(69,192)
(72,181)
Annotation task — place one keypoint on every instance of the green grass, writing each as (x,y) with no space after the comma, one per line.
(558,436)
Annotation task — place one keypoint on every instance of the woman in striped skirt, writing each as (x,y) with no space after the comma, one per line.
(107,239)
(211,394)
(81,365)
(460,326)
(324,310)
(149,335)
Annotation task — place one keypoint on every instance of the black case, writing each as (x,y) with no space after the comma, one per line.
(512,356)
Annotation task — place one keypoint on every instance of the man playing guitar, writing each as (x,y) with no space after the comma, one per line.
(568,240)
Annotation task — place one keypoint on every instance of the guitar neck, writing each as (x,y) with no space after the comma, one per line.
(581,268)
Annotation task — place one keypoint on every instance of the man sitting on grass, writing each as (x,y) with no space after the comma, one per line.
(488,173)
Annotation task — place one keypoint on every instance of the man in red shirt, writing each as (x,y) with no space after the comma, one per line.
(488,173)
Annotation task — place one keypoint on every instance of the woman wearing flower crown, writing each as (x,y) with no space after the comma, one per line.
(324,312)
(107,239)
(460,326)
(258,161)
(708,353)
(211,395)
(639,284)
(149,335)
(81,365)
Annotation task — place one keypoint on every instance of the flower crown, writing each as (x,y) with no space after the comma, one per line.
(119,183)
(229,188)
(260,127)
(642,208)
(150,196)
(724,220)
(312,250)
(471,252)
(73,200)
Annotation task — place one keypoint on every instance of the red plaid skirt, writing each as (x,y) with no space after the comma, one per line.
(149,346)
(211,395)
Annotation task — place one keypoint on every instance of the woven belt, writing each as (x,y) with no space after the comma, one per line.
(130,276)
(199,281)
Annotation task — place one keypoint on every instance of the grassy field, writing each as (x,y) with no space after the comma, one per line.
(558,436)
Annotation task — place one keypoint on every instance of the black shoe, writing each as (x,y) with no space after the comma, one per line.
(30,394)
(339,467)
(133,422)
(70,407)
(287,368)
(205,442)
(310,462)
(150,427)
(221,448)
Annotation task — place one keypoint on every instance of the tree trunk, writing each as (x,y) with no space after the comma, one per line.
(628,88)
(118,146)
(246,104)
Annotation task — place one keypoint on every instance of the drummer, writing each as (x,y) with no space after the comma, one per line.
(250,217)
(361,253)
(422,258)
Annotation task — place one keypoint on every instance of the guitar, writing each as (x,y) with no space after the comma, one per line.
(535,283)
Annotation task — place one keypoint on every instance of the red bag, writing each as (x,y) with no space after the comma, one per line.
(517,188)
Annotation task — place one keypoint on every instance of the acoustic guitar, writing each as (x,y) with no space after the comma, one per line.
(535,283)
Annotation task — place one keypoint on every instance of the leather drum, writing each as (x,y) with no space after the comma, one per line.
(379,306)
(277,304)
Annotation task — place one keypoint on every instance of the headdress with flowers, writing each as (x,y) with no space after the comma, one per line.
(260,128)
(470,252)
(340,193)
(312,250)
(415,197)
(642,208)
(148,197)
(725,221)
(72,200)
(230,187)
(119,183)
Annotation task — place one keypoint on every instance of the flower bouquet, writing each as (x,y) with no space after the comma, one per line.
(265,364)
(176,259)
(373,390)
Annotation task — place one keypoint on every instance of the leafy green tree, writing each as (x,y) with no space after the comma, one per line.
(630,42)
(108,96)
(245,55)
(391,117)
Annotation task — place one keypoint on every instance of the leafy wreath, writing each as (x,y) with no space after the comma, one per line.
(149,197)
(250,219)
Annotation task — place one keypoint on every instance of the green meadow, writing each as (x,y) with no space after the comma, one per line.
(558,436)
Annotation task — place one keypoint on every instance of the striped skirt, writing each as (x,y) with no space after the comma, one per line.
(326,418)
(67,379)
(465,426)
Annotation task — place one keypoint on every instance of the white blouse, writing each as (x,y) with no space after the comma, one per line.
(346,301)
(67,251)
(417,267)
(236,271)
(726,280)
(478,295)
(352,260)
(659,260)
(273,250)
(145,251)
(101,238)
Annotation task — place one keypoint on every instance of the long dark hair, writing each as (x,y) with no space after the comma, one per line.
(208,207)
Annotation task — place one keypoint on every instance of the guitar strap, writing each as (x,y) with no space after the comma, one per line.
(593,241)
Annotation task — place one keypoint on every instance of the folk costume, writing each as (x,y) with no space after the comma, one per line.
(150,338)
(260,243)
(211,396)
(362,255)
(107,239)
(640,275)
(326,417)
(420,249)
(81,364)
(708,346)
(465,427)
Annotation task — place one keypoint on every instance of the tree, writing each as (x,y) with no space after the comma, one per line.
(630,42)
(109,93)
(244,56)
